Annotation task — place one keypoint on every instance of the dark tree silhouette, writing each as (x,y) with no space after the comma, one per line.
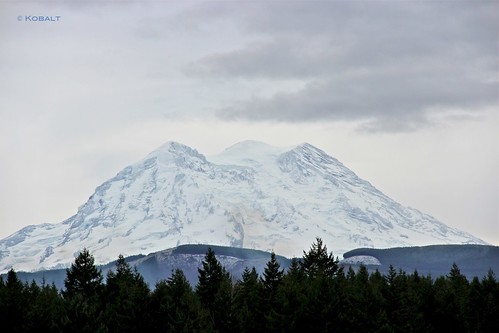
(83,278)
(126,299)
(83,295)
(214,289)
(317,261)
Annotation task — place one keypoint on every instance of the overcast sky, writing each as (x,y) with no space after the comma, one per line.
(404,93)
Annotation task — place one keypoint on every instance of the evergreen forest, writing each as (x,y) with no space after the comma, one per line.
(313,294)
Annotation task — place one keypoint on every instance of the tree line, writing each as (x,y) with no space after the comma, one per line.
(313,294)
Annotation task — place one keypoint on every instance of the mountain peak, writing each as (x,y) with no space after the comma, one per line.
(250,195)
(306,157)
(307,148)
(248,152)
(306,145)
(173,150)
(245,144)
(250,147)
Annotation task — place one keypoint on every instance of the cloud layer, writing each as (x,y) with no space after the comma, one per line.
(391,64)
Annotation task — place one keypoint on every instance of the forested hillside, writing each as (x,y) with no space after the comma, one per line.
(472,259)
(314,294)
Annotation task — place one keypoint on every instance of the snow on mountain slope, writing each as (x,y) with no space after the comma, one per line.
(251,195)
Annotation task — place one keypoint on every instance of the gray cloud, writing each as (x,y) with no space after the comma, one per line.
(386,63)
(387,100)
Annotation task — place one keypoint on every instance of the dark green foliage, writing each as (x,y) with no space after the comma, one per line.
(82,295)
(292,299)
(248,303)
(473,260)
(487,311)
(126,300)
(312,295)
(322,302)
(13,304)
(271,281)
(214,290)
(184,309)
(45,310)
(272,275)
(318,262)
(175,308)
(83,278)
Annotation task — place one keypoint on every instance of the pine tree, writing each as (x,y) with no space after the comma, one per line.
(214,290)
(317,261)
(13,310)
(292,300)
(321,270)
(248,312)
(83,278)
(271,280)
(490,298)
(46,309)
(184,310)
(459,293)
(418,303)
(451,301)
(160,307)
(127,297)
(478,306)
(82,295)
(272,276)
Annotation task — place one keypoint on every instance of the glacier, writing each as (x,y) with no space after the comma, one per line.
(251,195)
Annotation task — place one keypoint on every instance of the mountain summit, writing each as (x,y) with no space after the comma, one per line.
(251,195)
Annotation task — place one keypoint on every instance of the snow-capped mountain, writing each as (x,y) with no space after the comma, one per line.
(251,195)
